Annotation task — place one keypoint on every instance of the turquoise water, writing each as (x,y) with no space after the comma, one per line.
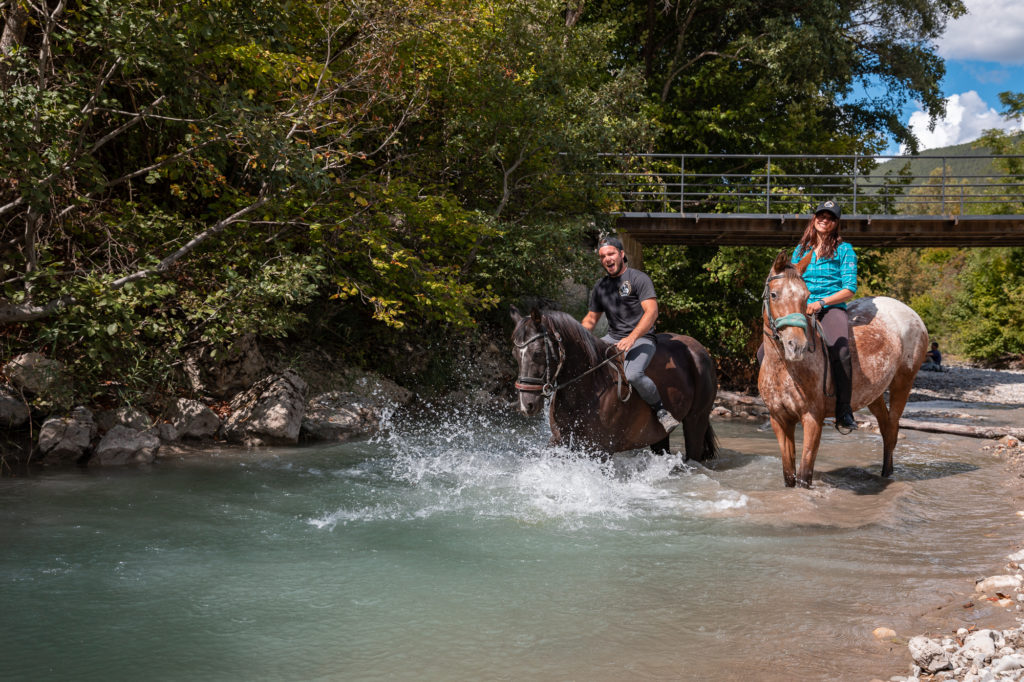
(463,550)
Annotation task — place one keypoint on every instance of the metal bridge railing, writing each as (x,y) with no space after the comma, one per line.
(794,184)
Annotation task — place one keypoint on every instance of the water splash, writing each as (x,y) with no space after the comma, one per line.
(463,462)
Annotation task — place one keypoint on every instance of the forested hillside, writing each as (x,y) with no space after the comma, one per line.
(373,176)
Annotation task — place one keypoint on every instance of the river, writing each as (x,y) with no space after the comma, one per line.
(459,548)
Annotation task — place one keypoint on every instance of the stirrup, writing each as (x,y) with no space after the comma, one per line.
(850,428)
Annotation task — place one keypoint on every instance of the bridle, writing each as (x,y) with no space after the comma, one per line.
(802,320)
(775,324)
(547,385)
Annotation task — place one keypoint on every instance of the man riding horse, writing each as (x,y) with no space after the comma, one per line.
(627,297)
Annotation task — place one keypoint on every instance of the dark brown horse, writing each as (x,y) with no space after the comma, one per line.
(592,406)
(887,345)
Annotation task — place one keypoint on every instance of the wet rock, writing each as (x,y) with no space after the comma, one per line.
(192,419)
(340,416)
(928,654)
(883,633)
(998,583)
(168,433)
(13,411)
(66,439)
(124,445)
(269,413)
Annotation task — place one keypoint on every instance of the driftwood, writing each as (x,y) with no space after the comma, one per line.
(993,432)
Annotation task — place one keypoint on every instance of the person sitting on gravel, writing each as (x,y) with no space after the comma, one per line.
(933,359)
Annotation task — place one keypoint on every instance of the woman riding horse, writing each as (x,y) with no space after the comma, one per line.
(831,278)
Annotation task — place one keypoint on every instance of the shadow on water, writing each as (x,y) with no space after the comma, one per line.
(863,481)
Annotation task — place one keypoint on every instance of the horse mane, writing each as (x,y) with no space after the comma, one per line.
(593,349)
(571,330)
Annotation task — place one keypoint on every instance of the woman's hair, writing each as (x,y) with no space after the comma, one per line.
(829,243)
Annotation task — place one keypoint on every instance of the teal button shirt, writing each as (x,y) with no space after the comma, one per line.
(827,276)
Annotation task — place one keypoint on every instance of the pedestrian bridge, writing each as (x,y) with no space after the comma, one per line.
(766,200)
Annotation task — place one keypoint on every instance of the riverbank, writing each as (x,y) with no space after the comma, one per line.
(976,633)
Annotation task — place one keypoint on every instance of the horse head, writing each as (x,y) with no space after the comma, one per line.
(785,308)
(537,358)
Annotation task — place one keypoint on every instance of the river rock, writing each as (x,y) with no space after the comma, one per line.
(269,413)
(13,411)
(33,372)
(1006,663)
(132,417)
(192,419)
(223,372)
(928,654)
(124,445)
(66,439)
(981,643)
(998,583)
(340,416)
(1017,557)
(883,633)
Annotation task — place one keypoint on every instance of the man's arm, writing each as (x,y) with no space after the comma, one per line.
(590,320)
(645,324)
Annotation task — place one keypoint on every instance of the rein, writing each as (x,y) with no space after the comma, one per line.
(801,320)
(547,386)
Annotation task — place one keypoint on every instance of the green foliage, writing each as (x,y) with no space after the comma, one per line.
(713,295)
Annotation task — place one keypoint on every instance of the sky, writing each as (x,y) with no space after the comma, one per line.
(984,55)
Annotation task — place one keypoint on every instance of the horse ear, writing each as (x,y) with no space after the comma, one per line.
(536,316)
(801,267)
(514,313)
(781,261)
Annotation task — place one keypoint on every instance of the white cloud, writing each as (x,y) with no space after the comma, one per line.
(991,31)
(967,117)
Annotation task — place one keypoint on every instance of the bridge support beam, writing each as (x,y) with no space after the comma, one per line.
(634,250)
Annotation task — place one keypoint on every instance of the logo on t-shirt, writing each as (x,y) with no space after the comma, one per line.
(625,288)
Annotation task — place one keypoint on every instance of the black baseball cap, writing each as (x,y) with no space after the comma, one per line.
(829,206)
(611,241)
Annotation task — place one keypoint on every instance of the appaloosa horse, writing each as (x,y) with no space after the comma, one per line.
(887,345)
(592,406)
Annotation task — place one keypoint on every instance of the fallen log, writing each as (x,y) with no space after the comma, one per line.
(740,398)
(993,432)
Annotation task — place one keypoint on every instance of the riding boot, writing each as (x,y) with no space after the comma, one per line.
(842,375)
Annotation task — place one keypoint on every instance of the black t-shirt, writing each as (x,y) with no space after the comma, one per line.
(619,298)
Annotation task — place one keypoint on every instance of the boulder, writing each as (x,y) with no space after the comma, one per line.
(132,417)
(269,413)
(928,654)
(13,410)
(227,371)
(340,416)
(192,419)
(33,372)
(66,439)
(125,445)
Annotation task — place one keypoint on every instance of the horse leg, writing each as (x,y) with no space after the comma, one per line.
(661,447)
(787,446)
(885,427)
(694,429)
(812,439)
(899,392)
